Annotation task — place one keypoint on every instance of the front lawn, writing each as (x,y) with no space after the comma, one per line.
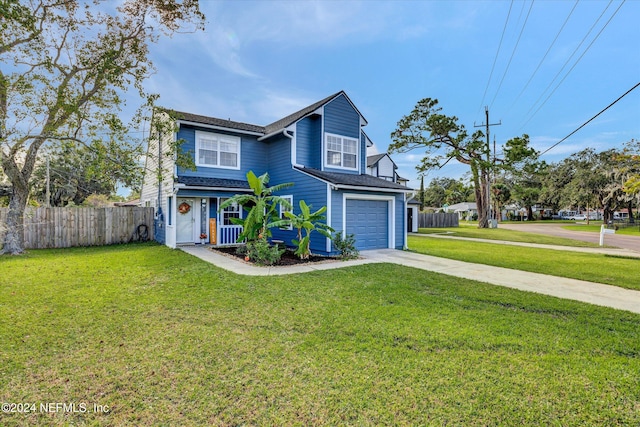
(161,338)
(599,268)
(504,234)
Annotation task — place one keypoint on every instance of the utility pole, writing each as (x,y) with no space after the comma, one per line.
(486,124)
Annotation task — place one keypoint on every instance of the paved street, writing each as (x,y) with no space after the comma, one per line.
(617,240)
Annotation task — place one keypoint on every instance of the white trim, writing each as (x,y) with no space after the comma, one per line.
(300,168)
(218,137)
(342,153)
(170,230)
(294,144)
(391,213)
(371,189)
(405,221)
(198,224)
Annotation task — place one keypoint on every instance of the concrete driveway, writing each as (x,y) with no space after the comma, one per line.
(551,229)
(579,290)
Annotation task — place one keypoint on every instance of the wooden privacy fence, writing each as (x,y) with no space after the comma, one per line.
(437,220)
(66,227)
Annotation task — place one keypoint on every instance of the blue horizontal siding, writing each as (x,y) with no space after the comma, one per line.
(313,192)
(341,118)
(309,142)
(253,156)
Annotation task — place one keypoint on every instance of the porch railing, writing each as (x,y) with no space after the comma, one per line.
(228,234)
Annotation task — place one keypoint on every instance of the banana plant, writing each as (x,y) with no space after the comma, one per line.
(309,222)
(261,208)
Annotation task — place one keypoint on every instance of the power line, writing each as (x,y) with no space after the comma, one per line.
(496,57)
(512,54)
(591,119)
(545,55)
(569,59)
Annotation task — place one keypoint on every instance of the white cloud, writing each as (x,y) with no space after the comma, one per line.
(272,106)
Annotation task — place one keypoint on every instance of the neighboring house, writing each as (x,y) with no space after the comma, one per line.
(465,210)
(413,212)
(130,203)
(381,166)
(321,149)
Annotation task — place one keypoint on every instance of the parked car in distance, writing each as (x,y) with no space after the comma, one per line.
(579,217)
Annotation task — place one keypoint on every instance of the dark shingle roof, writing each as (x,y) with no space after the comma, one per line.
(292,118)
(230,124)
(362,180)
(264,130)
(196,181)
(372,160)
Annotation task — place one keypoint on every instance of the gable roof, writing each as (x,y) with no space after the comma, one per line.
(292,118)
(216,122)
(372,160)
(463,206)
(353,180)
(269,129)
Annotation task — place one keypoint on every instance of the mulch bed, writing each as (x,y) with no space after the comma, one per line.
(288,257)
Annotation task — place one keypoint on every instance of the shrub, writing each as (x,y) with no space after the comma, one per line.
(261,208)
(262,253)
(309,222)
(346,246)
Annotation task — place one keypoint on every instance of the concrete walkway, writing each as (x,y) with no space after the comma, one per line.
(587,250)
(579,290)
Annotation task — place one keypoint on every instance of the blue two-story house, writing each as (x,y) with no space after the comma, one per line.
(321,149)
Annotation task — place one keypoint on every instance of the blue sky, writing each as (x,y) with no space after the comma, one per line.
(259,61)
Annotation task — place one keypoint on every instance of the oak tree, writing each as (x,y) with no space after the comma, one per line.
(64,68)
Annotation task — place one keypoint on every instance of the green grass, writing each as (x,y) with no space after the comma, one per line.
(599,268)
(504,234)
(595,228)
(162,338)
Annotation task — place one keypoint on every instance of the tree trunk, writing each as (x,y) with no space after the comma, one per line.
(530,213)
(480,189)
(13,243)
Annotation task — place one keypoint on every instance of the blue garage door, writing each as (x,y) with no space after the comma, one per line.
(368,220)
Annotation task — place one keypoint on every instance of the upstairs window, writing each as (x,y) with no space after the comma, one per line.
(341,152)
(218,151)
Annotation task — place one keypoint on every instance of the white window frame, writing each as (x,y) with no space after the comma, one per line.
(229,212)
(218,138)
(342,139)
(282,210)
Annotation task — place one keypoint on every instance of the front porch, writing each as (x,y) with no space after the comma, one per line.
(197,221)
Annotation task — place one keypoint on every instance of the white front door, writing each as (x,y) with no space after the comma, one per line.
(185,221)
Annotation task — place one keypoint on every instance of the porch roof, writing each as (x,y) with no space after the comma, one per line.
(208,183)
